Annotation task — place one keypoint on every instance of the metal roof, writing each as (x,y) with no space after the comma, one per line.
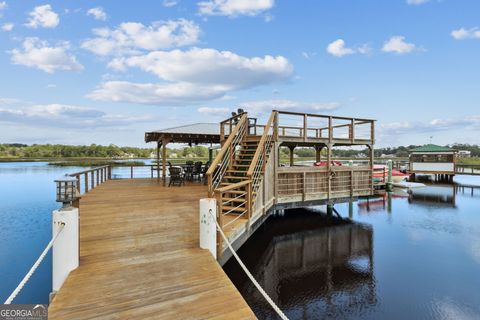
(432,148)
(191,133)
(195,128)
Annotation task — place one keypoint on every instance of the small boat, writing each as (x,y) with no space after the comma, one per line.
(408,185)
(380,173)
(398,176)
(324,163)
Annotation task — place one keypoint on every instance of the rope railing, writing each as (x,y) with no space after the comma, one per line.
(34,267)
(249,275)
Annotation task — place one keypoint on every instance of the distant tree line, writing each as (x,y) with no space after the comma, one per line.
(400,152)
(66,151)
(17,150)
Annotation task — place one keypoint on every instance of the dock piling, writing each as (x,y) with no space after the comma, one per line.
(208,230)
(390,180)
(65,253)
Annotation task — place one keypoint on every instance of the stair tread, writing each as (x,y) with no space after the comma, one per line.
(233,199)
(233,208)
(236,177)
(234,191)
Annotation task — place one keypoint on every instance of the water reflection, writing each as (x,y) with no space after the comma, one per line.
(444,195)
(323,271)
(434,196)
(425,263)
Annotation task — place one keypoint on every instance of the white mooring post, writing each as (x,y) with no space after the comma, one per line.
(208,228)
(65,253)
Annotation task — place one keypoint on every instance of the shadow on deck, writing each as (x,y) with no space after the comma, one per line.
(140,258)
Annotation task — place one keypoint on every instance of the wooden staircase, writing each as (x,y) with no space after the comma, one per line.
(235,201)
(237,171)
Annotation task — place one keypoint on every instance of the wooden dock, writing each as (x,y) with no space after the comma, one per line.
(140,258)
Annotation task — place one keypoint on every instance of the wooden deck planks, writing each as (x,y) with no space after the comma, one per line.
(139,258)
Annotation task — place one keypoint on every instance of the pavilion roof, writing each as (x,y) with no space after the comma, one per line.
(196,133)
(432,148)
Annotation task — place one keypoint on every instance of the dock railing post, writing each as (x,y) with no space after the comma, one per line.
(208,229)
(390,180)
(65,252)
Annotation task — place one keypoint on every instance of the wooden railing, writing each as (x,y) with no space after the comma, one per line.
(257,166)
(467,169)
(244,199)
(89,179)
(313,127)
(224,159)
(227,126)
(319,183)
(92,178)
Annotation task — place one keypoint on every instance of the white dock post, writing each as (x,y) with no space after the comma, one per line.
(208,229)
(65,252)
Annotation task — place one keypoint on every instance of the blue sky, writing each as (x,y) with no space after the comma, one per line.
(107,71)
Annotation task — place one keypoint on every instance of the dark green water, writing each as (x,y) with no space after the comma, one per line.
(408,256)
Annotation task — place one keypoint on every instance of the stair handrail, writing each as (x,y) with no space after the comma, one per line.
(262,153)
(225,157)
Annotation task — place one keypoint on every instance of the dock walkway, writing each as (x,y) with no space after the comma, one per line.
(140,258)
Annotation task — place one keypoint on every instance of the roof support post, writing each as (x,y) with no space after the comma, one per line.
(329,162)
(164,161)
(292,148)
(318,153)
(158,159)
(371,154)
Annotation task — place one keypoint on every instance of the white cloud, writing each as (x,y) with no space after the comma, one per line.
(462,33)
(132,37)
(364,49)
(39,54)
(266,106)
(262,107)
(339,49)
(3,6)
(308,55)
(269,18)
(170,3)
(234,8)
(191,76)
(417,2)
(407,127)
(221,69)
(397,44)
(98,13)
(43,16)
(447,308)
(66,116)
(154,93)
(7,26)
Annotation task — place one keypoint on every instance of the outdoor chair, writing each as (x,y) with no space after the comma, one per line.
(197,170)
(204,171)
(176,176)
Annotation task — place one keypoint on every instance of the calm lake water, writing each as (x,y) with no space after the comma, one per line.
(418,260)
(408,256)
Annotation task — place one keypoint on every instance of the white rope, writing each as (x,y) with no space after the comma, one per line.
(33,268)
(264,294)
